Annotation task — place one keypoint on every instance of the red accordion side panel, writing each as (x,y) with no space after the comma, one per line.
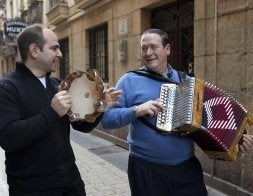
(223,120)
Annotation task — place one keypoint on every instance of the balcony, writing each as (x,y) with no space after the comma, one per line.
(34,14)
(58,13)
(90,5)
(8,50)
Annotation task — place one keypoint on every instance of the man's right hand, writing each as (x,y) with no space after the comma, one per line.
(151,108)
(61,103)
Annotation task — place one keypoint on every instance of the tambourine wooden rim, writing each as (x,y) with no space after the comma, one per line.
(99,103)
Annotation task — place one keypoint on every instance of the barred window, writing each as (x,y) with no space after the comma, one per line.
(53,3)
(99,51)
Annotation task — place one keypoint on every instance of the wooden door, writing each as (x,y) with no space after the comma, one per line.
(176,19)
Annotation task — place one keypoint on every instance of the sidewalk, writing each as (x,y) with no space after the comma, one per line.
(102,165)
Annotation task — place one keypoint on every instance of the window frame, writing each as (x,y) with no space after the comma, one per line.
(98,50)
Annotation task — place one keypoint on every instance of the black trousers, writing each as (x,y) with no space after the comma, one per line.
(71,190)
(150,179)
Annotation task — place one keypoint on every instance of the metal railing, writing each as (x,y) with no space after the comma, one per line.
(35,12)
(53,3)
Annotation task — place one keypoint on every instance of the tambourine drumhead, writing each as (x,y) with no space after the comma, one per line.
(86,91)
(83,94)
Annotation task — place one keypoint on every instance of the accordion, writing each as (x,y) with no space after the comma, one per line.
(205,113)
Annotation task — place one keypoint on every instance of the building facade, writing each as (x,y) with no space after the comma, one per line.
(210,39)
(15,15)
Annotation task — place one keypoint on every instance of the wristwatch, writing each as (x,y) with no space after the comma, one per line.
(135,108)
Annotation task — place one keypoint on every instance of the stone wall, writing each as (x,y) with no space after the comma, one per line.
(223,56)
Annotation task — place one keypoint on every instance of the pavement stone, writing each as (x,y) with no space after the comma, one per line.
(101,178)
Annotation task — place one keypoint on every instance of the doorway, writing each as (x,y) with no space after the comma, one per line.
(177,19)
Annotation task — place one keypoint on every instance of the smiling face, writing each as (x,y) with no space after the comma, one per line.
(154,54)
(48,59)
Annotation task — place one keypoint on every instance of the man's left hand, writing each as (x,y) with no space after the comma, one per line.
(246,142)
(111,96)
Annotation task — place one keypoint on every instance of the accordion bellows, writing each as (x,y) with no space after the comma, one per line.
(212,118)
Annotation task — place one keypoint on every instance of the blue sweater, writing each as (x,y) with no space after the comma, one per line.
(144,142)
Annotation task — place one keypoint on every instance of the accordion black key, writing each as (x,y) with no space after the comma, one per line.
(212,118)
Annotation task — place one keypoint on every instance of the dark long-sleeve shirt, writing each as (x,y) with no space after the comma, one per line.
(35,139)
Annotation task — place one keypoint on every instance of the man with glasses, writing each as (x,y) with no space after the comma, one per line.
(158,164)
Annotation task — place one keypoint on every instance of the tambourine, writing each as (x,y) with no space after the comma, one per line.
(87,94)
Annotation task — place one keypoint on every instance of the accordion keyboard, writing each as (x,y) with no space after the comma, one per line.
(178,103)
(167,97)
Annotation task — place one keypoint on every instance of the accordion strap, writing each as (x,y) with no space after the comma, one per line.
(150,125)
(156,76)
(153,75)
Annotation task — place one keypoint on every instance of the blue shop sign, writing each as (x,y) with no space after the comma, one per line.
(13,28)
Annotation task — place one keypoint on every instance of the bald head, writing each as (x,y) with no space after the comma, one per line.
(31,34)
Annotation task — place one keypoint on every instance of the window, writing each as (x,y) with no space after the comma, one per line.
(99,51)
(64,61)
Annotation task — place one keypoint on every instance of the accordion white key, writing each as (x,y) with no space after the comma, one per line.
(212,118)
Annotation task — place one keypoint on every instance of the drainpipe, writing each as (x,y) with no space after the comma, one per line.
(245,88)
(215,37)
(213,171)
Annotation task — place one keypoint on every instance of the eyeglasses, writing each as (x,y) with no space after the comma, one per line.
(153,47)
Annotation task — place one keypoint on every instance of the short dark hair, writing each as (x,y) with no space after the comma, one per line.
(164,36)
(31,34)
